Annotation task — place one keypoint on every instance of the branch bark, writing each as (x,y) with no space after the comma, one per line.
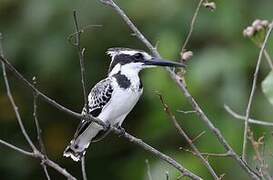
(183,88)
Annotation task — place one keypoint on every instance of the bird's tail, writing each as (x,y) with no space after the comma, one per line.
(81,141)
(74,151)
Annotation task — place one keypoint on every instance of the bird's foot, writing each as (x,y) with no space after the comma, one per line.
(122,130)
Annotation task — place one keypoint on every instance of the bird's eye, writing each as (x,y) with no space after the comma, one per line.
(138,56)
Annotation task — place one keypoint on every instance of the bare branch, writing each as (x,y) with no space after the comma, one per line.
(39,130)
(16,148)
(84,176)
(208,154)
(183,134)
(186,112)
(117,131)
(198,136)
(240,117)
(268,58)
(81,57)
(45,171)
(28,84)
(183,49)
(83,78)
(35,116)
(184,90)
(59,169)
(254,82)
(15,108)
(36,153)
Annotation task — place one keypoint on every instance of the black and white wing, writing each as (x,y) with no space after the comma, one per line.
(99,96)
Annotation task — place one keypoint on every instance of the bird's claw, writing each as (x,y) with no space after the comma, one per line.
(122,130)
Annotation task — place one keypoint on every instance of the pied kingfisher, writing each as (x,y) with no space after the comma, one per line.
(114,97)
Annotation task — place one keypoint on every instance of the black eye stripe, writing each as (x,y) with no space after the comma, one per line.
(125,59)
(138,56)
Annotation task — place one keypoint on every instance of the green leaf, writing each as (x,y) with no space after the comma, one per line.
(267,87)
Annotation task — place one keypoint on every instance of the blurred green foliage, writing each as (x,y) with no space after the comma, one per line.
(35,41)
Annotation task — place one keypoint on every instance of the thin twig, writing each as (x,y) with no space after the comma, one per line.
(266,54)
(240,117)
(268,58)
(36,153)
(181,84)
(84,176)
(183,49)
(28,84)
(186,112)
(35,116)
(148,170)
(39,130)
(81,57)
(183,134)
(208,154)
(198,136)
(45,171)
(16,148)
(83,78)
(254,82)
(15,108)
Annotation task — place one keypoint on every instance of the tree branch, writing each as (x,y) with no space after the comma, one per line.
(254,82)
(130,138)
(184,90)
(36,153)
(84,176)
(183,134)
(83,78)
(183,49)
(81,58)
(208,154)
(16,148)
(39,130)
(240,117)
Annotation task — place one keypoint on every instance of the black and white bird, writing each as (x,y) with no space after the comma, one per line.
(114,97)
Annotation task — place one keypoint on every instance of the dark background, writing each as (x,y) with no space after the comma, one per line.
(35,41)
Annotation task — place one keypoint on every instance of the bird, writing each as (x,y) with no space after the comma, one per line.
(112,98)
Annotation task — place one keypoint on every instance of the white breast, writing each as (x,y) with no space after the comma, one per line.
(120,104)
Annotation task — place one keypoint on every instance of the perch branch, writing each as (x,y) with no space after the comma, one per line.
(254,82)
(181,84)
(117,131)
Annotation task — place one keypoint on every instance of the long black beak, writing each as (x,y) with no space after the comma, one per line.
(162,62)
